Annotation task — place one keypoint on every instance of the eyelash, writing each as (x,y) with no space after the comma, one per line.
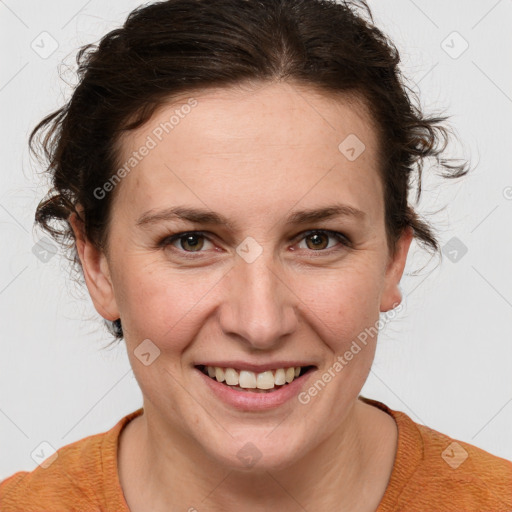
(340,237)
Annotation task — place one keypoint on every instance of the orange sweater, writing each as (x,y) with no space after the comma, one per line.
(431,473)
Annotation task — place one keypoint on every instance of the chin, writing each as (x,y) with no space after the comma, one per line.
(258,452)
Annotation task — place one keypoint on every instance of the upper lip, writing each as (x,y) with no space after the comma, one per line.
(256,368)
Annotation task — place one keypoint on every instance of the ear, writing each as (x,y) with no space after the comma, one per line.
(391,297)
(96,272)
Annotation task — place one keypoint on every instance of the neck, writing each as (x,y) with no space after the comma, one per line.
(348,471)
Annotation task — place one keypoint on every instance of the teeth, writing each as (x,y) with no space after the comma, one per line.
(247,379)
(280,377)
(265,380)
(231,376)
(219,374)
(250,380)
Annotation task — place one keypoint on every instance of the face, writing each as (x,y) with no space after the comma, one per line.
(217,257)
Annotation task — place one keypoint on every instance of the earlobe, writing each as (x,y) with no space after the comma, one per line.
(96,272)
(392,294)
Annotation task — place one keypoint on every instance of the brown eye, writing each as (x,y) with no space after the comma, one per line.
(317,242)
(192,242)
(186,242)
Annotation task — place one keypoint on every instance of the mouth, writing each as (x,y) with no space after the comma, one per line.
(268,381)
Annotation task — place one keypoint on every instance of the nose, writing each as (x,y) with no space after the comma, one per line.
(258,305)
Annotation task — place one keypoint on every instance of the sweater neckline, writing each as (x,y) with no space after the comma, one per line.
(113,496)
(408,456)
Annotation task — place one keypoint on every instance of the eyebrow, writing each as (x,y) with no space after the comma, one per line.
(201,216)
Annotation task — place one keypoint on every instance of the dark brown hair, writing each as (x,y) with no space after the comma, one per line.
(170,48)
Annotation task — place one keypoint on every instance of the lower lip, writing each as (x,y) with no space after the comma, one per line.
(249,401)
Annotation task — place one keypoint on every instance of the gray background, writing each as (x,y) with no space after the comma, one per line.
(445,360)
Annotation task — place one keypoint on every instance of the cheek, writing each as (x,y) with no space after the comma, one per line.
(343,307)
(163,304)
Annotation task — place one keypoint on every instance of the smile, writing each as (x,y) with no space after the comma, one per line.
(245,380)
(253,391)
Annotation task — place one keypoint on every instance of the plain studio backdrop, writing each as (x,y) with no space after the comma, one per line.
(444,359)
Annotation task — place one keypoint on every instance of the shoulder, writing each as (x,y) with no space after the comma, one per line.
(433,471)
(466,474)
(62,480)
(78,476)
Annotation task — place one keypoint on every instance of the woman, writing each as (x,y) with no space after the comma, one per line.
(276,140)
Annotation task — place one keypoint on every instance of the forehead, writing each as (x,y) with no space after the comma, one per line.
(279,141)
